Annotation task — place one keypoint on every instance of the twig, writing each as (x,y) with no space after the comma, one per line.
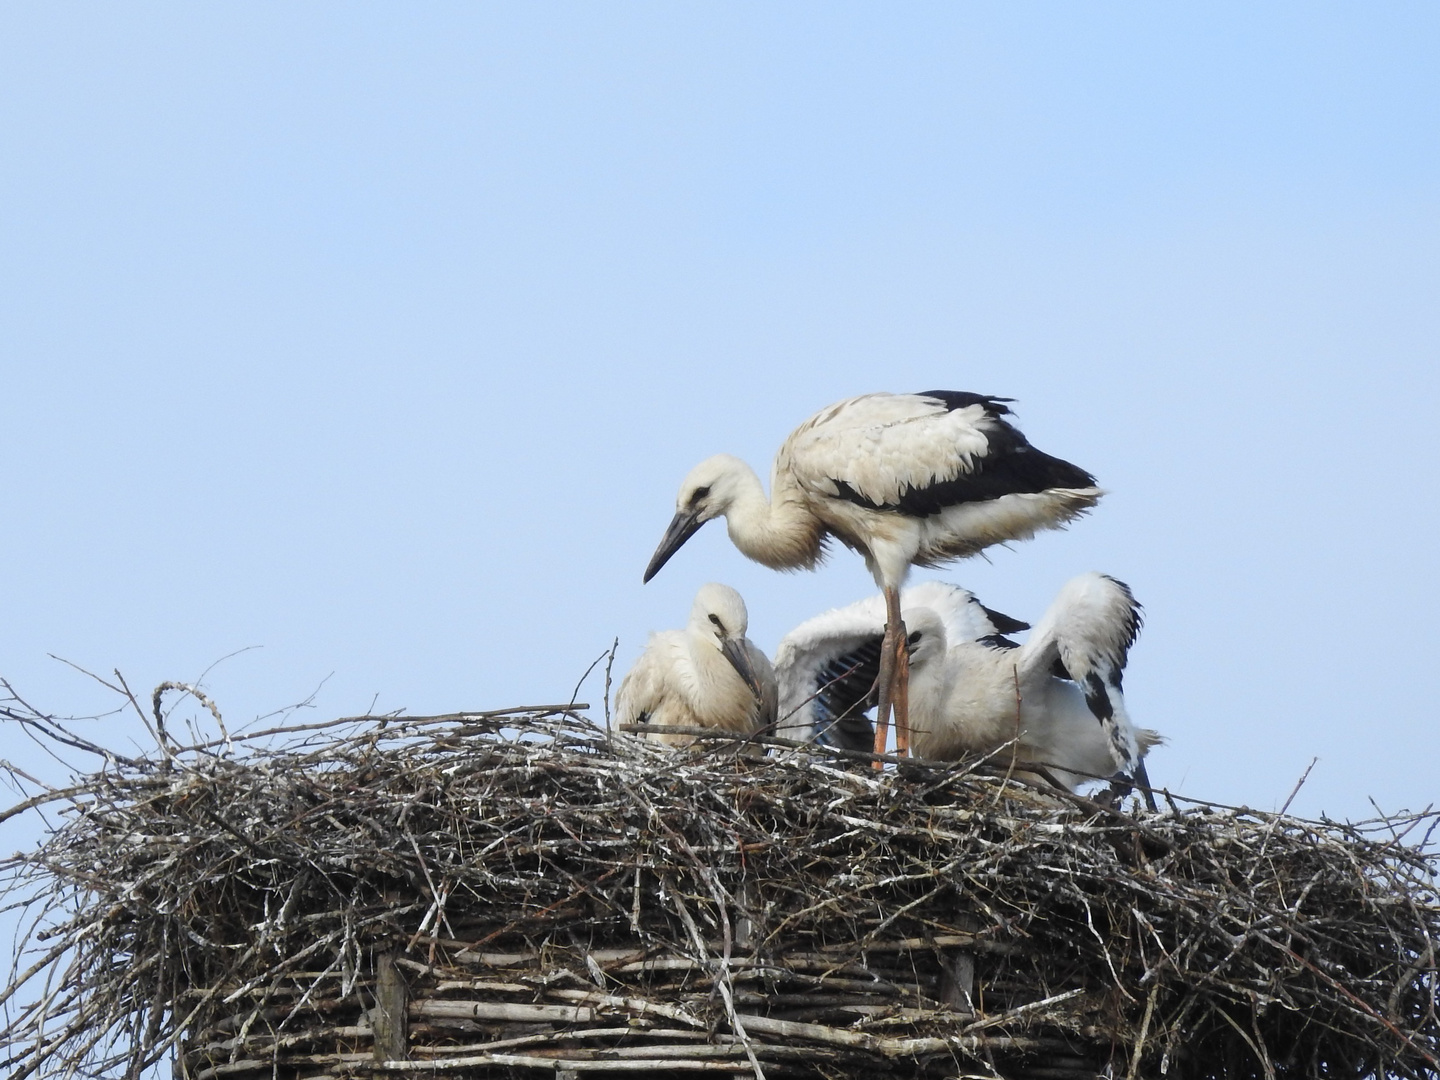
(609,665)
(576,693)
(1286,806)
(198,696)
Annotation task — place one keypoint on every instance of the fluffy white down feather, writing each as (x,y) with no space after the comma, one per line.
(684,679)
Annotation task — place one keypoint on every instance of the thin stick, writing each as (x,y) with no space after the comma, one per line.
(609,664)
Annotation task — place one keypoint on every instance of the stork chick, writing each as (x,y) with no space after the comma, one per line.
(709,675)
(904,479)
(1055,701)
(827,666)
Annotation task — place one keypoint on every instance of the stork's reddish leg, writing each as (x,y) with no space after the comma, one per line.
(901,696)
(894,680)
(883,681)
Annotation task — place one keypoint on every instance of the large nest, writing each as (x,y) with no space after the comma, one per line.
(495,894)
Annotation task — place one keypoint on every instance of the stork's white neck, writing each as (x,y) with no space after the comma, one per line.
(779,532)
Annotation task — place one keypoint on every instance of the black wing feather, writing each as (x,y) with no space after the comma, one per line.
(996,641)
(1133,621)
(842,694)
(963,399)
(1005,624)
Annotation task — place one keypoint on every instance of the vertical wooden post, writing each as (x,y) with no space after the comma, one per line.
(744,929)
(387,1019)
(957,984)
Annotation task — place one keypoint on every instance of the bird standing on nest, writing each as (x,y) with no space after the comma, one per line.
(709,675)
(904,479)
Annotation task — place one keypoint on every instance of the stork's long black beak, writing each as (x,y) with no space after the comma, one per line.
(682,526)
(739,657)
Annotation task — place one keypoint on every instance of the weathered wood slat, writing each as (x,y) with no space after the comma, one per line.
(499,1010)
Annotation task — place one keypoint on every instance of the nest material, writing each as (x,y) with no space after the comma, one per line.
(514,895)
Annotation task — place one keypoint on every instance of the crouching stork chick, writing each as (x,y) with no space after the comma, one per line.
(826,667)
(1055,701)
(709,675)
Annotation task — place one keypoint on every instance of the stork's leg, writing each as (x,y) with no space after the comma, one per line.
(883,684)
(894,679)
(900,687)
(901,695)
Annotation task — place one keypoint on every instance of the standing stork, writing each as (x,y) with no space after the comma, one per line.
(1057,700)
(905,480)
(708,675)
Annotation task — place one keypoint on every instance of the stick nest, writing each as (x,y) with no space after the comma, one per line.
(489,895)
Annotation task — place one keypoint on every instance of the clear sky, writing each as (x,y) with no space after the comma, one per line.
(380,336)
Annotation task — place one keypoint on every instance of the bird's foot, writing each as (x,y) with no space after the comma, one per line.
(1122,786)
(1112,796)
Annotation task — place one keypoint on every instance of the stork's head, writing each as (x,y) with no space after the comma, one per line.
(719,618)
(708,492)
(925,638)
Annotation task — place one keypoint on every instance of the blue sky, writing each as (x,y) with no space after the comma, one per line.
(380,336)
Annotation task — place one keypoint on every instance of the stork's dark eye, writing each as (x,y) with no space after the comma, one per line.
(716,620)
(914,639)
(698,494)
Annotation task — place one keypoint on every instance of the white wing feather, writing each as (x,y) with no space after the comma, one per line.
(1089,629)
(883,444)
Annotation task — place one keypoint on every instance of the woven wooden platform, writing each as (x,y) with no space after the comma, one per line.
(520,895)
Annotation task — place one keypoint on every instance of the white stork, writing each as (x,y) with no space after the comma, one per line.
(1057,699)
(709,675)
(904,479)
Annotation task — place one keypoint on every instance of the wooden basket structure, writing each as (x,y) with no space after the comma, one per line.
(525,894)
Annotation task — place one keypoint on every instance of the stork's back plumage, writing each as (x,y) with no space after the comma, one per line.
(920,479)
(963,451)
